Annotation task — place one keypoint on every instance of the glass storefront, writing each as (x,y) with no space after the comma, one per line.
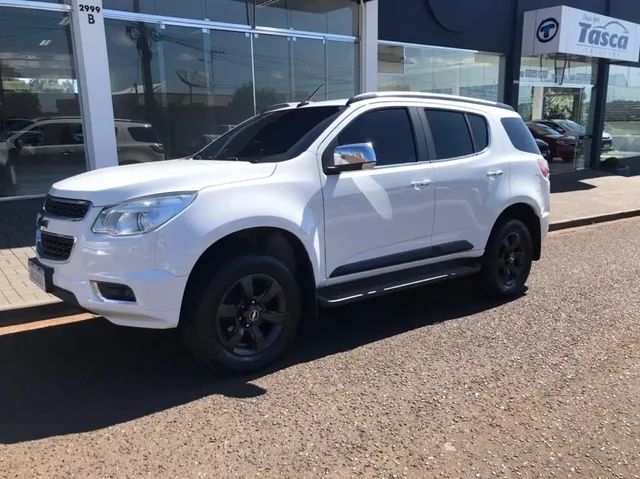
(188,85)
(622,120)
(174,87)
(323,16)
(41,137)
(440,70)
(555,95)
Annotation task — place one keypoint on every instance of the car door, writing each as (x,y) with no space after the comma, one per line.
(470,175)
(383,216)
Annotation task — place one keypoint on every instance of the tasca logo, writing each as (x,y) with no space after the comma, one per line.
(611,35)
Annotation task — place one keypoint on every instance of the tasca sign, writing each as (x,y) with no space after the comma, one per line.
(578,32)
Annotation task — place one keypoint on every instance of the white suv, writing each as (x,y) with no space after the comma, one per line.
(305,204)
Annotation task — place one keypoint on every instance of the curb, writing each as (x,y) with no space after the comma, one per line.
(590,220)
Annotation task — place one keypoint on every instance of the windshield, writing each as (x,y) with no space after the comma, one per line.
(273,136)
(572,126)
(543,129)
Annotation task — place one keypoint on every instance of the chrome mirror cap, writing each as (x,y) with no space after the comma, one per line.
(356,156)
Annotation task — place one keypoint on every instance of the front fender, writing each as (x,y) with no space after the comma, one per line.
(295,207)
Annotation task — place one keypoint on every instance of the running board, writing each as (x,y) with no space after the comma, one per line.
(358,290)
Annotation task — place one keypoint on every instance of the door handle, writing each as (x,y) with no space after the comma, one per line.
(420,183)
(494,173)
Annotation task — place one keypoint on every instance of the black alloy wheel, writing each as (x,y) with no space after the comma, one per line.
(511,259)
(507,259)
(244,315)
(251,314)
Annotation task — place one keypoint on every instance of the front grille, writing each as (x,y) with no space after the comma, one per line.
(54,247)
(66,208)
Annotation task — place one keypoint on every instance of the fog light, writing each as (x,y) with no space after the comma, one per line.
(114,291)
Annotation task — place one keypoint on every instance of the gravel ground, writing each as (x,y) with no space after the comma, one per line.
(434,382)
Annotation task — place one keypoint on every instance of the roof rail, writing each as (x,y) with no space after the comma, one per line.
(422,95)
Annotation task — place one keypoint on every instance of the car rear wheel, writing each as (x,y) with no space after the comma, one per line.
(507,259)
(246,316)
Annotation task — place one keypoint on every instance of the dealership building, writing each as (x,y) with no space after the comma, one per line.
(86,84)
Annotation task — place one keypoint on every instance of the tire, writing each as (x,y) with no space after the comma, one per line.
(245,316)
(507,259)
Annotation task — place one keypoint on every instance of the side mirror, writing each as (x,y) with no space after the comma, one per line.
(357,156)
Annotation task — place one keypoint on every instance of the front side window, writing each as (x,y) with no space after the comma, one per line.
(450,133)
(389,131)
(273,136)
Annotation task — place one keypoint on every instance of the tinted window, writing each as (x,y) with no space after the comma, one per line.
(450,133)
(72,134)
(388,130)
(144,134)
(273,136)
(520,135)
(479,130)
(541,129)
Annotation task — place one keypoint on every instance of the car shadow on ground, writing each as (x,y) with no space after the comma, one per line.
(574,180)
(90,375)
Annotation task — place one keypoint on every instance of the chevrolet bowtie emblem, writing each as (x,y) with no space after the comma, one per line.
(41,222)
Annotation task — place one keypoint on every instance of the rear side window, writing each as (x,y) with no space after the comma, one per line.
(389,131)
(450,133)
(143,134)
(479,130)
(520,136)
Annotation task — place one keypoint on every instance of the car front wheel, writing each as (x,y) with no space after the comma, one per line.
(246,314)
(507,259)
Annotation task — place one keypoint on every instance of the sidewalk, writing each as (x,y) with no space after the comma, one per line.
(576,198)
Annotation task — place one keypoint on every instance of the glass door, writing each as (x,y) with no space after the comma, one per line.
(555,99)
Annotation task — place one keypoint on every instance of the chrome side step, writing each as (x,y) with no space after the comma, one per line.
(371,287)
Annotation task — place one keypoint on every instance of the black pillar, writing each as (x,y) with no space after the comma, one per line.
(512,60)
(598,105)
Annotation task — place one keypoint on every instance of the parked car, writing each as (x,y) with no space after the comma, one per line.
(543,146)
(572,128)
(13,125)
(302,205)
(560,145)
(50,149)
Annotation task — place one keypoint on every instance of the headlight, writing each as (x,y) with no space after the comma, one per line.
(141,215)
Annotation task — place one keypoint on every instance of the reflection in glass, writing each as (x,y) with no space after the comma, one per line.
(621,137)
(188,85)
(309,69)
(342,75)
(172,8)
(273,73)
(440,70)
(38,83)
(325,16)
(555,88)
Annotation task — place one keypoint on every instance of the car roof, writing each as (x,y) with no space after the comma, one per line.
(388,95)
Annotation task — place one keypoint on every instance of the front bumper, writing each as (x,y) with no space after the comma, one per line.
(125,260)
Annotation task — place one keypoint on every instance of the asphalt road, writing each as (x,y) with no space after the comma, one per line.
(434,382)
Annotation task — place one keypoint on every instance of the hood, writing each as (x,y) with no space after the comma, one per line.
(108,186)
(606,136)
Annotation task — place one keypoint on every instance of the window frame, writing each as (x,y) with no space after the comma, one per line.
(465,113)
(417,127)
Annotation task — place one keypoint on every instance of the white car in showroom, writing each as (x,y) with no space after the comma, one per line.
(305,204)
